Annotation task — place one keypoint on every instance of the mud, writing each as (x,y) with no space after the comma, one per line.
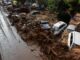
(52,47)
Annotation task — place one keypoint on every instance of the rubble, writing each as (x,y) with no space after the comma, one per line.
(34,12)
(29,27)
(22,10)
(78,28)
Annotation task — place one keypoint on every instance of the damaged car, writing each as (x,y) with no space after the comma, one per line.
(58,27)
(45,25)
(73,39)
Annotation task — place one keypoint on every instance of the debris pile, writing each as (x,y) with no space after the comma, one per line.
(78,28)
(28,26)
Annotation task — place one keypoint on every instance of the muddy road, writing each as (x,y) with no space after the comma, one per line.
(12,47)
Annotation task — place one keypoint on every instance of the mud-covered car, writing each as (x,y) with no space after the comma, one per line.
(58,27)
(73,39)
(45,25)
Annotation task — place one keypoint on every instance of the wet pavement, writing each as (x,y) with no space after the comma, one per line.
(12,47)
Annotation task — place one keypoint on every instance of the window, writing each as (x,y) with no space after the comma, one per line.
(61,26)
(71,39)
(44,22)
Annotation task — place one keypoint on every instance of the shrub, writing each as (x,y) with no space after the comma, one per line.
(52,5)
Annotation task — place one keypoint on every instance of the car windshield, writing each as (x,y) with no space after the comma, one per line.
(45,23)
(61,26)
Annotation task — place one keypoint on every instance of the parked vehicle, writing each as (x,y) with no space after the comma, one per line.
(58,27)
(6,2)
(73,39)
(34,12)
(37,6)
(45,25)
(71,28)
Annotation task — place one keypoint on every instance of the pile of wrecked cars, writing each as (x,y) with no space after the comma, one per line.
(57,28)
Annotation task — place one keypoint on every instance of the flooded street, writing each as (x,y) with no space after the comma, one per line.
(12,47)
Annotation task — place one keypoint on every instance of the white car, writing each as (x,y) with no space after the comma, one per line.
(58,27)
(34,12)
(71,28)
(73,39)
(45,25)
(7,2)
(35,5)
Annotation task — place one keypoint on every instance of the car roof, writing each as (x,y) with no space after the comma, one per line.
(42,21)
(71,27)
(58,24)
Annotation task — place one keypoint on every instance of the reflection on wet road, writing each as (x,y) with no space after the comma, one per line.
(11,45)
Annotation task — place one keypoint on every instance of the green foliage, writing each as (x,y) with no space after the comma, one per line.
(18,3)
(57,5)
(52,5)
(44,2)
(60,5)
(79,1)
